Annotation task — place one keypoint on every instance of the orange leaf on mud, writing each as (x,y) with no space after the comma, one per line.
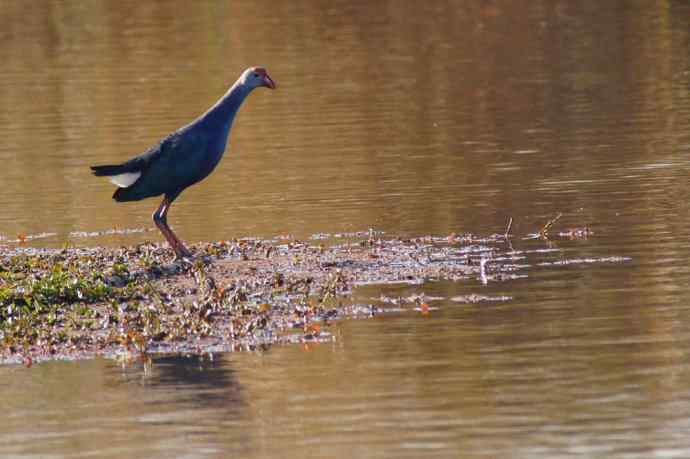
(313,329)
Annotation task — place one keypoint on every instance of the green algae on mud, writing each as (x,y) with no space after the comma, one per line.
(79,303)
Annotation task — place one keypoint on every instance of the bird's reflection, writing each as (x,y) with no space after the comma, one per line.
(199,379)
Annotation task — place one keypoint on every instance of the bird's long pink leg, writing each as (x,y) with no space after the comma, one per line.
(160,218)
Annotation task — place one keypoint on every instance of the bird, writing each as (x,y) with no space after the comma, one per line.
(184,157)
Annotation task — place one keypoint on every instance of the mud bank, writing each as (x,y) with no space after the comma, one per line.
(128,302)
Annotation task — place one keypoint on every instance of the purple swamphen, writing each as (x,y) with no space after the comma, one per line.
(184,157)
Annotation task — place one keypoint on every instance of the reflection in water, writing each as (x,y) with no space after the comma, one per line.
(474,111)
(414,119)
(207,382)
(167,406)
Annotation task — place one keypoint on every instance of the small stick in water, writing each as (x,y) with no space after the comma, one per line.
(510,224)
(545,230)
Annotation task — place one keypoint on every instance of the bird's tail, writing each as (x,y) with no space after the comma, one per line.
(123,175)
(109,170)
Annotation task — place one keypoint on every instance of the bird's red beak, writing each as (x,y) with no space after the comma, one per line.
(268,82)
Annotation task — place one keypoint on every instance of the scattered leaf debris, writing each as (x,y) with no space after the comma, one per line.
(77,303)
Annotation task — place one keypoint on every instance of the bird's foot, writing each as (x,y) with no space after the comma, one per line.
(187,258)
(183,254)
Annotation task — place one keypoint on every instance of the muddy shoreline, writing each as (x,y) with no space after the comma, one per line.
(135,301)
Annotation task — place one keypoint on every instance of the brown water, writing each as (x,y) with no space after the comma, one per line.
(410,118)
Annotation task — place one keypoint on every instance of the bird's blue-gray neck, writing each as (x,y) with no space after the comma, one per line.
(221,115)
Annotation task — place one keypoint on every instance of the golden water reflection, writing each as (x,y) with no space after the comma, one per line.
(411,118)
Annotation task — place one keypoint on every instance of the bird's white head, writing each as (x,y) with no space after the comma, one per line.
(254,77)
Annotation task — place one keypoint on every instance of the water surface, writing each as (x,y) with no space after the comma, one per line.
(412,119)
